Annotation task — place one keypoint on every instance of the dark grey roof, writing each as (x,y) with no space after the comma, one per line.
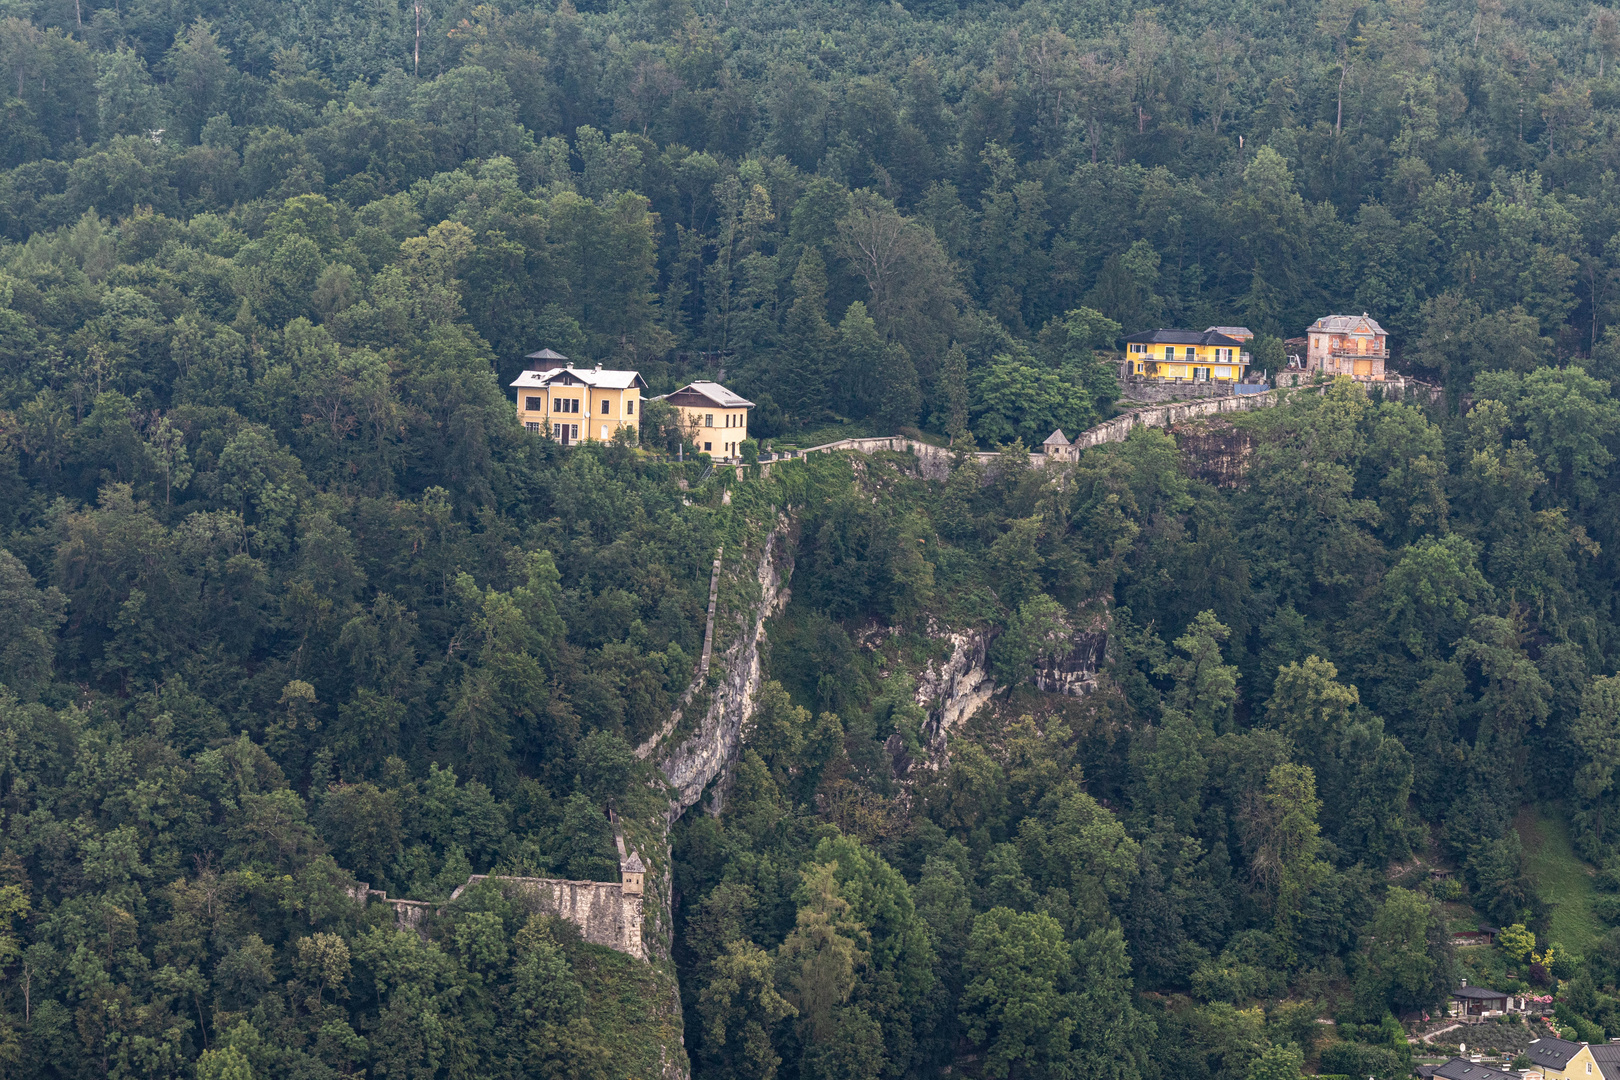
(1553,1053)
(1056,439)
(1463,1069)
(1606,1055)
(1182,337)
(545,354)
(1477,993)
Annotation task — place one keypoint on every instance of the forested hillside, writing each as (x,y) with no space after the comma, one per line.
(288,601)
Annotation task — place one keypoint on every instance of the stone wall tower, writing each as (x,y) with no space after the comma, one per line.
(631,874)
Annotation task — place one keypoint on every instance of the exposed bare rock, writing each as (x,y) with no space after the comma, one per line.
(955,691)
(701,758)
(1215,451)
(1075,673)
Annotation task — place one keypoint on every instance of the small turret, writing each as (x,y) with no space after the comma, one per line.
(631,873)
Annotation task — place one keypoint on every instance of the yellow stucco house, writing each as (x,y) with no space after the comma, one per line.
(1560,1059)
(1187,355)
(578,404)
(716,419)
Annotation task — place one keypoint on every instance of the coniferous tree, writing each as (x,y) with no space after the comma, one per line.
(807,363)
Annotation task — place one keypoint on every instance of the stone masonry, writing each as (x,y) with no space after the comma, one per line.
(606,912)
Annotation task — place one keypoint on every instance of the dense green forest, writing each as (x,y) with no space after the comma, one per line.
(290,602)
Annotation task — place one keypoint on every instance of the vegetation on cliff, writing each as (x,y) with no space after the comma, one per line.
(289,601)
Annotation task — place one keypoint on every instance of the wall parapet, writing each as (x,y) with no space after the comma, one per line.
(606,912)
(936,460)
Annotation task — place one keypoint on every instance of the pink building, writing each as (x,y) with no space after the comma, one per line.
(1353,345)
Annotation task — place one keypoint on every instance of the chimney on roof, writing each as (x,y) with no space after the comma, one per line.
(599,369)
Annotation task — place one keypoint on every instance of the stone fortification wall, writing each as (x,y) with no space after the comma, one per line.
(408,914)
(606,912)
(935,461)
(1402,388)
(1163,416)
(1136,388)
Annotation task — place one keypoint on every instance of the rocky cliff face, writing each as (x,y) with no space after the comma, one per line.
(1215,451)
(1074,673)
(954,691)
(696,761)
(693,764)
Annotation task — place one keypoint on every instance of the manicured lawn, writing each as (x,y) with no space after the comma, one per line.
(1563,879)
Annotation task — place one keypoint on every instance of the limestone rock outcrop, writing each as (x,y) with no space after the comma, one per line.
(697,761)
(1075,672)
(954,691)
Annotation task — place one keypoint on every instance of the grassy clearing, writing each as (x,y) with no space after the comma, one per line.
(1563,879)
